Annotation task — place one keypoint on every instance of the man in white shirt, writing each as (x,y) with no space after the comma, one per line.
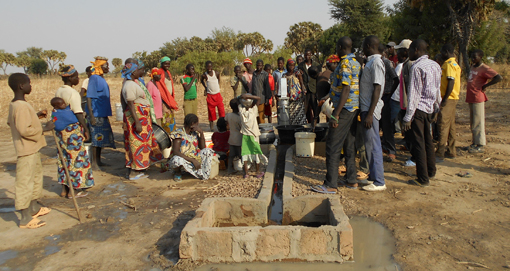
(370,94)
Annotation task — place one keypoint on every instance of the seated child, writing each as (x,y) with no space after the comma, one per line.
(220,140)
(62,116)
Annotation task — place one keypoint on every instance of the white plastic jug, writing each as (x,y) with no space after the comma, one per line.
(118,112)
(305,144)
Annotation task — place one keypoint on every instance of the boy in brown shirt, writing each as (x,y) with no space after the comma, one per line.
(27,134)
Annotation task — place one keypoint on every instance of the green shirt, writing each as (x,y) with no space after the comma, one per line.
(192,92)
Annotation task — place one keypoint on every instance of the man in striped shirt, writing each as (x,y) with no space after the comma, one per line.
(423,105)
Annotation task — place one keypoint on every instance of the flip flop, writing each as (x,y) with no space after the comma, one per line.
(42,211)
(80,194)
(246,176)
(177,178)
(33,224)
(348,185)
(260,175)
(465,174)
(321,189)
(139,176)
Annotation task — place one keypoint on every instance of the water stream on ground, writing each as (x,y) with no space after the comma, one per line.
(373,249)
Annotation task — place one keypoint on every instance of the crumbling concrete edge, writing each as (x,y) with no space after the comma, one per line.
(265,194)
(288,177)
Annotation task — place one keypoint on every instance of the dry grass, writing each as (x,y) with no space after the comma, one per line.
(43,90)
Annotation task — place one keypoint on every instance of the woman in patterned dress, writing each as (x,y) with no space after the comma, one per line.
(141,146)
(296,95)
(189,152)
(72,137)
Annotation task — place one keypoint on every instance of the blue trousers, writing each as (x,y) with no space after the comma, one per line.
(374,151)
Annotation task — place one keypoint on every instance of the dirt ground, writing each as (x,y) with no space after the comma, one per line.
(454,220)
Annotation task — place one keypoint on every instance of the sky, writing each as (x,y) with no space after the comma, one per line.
(114,28)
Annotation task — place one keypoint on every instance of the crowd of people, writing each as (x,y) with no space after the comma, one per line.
(377,89)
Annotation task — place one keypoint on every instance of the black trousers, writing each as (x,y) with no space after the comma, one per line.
(343,136)
(423,147)
(312,106)
(387,126)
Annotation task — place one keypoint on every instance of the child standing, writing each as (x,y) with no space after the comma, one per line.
(220,139)
(211,82)
(235,139)
(238,82)
(250,147)
(189,83)
(27,135)
(267,109)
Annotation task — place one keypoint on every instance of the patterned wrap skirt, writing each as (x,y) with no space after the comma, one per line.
(206,155)
(101,133)
(168,121)
(141,148)
(77,159)
(297,114)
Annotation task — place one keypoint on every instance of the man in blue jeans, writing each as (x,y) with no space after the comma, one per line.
(370,94)
(344,96)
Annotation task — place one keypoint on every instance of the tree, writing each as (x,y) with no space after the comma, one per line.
(429,23)
(464,16)
(303,35)
(327,43)
(52,58)
(24,61)
(38,66)
(225,39)
(361,18)
(150,60)
(253,43)
(6,59)
(32,52)
(491,35)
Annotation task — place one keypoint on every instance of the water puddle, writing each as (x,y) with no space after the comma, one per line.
(7,209)
(7,255)
(373,249)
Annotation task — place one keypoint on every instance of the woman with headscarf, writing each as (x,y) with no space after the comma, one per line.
(155,95)
(139,141)
(167,91)
(189,152)
(99,109)
(296,94)
(72,137)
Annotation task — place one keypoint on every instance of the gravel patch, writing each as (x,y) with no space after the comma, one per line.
(235,186)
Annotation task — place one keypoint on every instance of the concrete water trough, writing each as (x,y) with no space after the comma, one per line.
(314,228)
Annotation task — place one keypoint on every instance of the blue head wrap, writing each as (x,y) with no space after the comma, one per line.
(128,70)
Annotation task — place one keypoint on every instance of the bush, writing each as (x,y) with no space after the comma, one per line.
(38,66)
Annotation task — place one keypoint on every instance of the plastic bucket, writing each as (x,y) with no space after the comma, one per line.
(305,144)
(119,115)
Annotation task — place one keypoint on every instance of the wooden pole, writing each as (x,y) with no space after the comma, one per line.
(68,178)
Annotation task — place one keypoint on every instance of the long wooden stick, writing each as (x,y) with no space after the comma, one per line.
(69,183)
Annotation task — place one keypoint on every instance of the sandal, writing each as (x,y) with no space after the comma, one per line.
(260,175)
(80,194)
(42,211)
(139,176)
(177,178)
(348,185)
(246,176)
(322,189)
(465,174)
(33,224)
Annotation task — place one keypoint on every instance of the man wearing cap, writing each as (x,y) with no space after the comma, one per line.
(402,90)
(248,74)
(392,55)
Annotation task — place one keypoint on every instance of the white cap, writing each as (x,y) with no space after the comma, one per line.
(404,44)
